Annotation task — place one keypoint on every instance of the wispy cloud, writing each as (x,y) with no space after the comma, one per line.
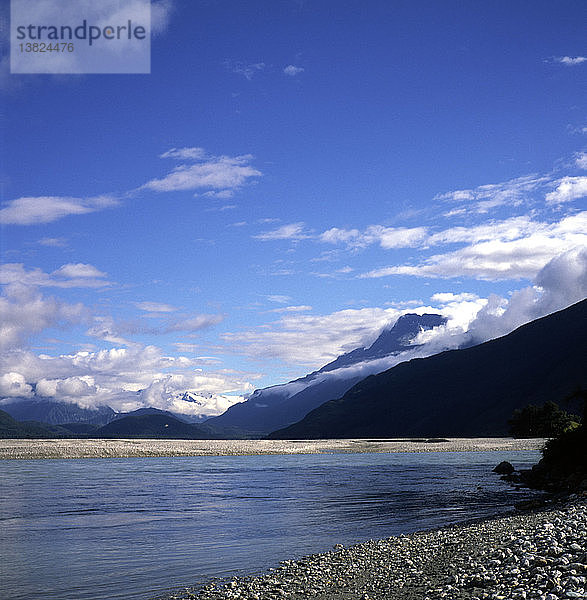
(292,231)
(570,61)
(155,307)
(292,70)
(248,71)
(59,242)
(312,340)
(70,275)
(219,174)
(484,198)
(46,209)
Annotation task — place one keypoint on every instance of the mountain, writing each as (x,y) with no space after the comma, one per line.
(57,413)
(150,424)
(278,406)
(10,428)
(468,392)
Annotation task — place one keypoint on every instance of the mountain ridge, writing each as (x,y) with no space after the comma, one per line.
(539,361)
(276,406)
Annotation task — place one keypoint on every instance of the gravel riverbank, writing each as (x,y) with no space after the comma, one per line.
(103,448)
(540,555)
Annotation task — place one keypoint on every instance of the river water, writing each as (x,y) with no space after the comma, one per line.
(140,528)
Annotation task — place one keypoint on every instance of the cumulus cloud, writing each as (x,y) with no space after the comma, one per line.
(559,284)
(46,209)
(568,189)
(512,249)
(24,312)
(123,378)
(14,385)
(203,171)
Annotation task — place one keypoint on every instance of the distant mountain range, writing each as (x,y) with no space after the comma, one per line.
(275,407)
(467,392)
(57,413)
(144,423)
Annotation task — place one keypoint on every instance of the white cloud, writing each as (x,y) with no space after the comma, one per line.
(486,197)
(560,283)
(293,231)
(448,297)
(194,323)
(53,242)
(14,385)
(46,209)
(191,153)
(335,235)
(219,173)
(155,307)
(292,309)
(386,237)
(313,340)
(568,189)
(513,249)
(396,237)
(279,298)
(581,160)
(24,312)
(248,71)
(292,70)
(70,275)
(106,328)
(570,61)
(124,378)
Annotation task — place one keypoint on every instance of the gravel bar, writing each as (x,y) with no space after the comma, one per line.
(103,448)
(540,555)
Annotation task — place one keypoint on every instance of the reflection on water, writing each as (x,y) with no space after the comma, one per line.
(134,528)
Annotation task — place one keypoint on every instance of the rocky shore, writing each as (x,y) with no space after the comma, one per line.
(539,555)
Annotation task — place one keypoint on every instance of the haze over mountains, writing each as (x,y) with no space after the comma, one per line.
(278,406)
(466,392)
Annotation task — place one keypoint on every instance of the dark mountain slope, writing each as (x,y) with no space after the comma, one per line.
(278,406)
(57,413)
(469,392)
(157,425)
(12,429)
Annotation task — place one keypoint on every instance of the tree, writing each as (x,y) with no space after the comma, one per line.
(547,420)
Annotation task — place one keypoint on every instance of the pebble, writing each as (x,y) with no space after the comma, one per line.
(532,556)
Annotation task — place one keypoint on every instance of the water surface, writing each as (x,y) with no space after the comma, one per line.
(137,528)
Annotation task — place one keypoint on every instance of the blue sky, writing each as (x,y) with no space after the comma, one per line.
(289,179)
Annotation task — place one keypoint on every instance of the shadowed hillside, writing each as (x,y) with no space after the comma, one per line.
(469,392)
